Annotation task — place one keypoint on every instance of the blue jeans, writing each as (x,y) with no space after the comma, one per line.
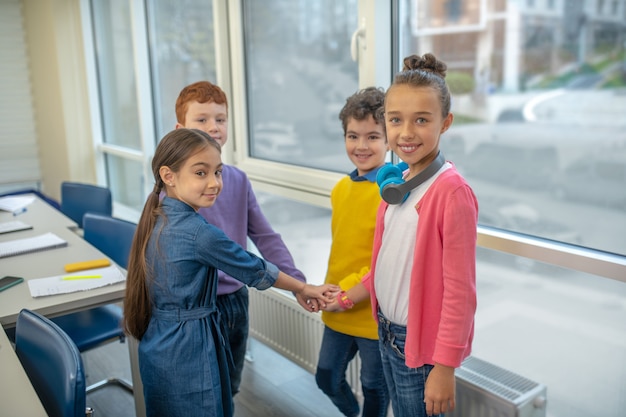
(406,385)
(337,351)
(233,309)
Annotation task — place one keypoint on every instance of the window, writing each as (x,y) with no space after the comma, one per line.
(182,51)
(537,135)
(454,10)
(117,87)
(538,132)
(116,73)
(539,320)
(601,176)
(298,74)
(525,110)
(171,41)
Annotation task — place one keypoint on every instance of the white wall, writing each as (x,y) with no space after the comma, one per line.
(59,89)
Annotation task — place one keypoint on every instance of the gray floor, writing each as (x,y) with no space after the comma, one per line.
(272,386)
(111,360)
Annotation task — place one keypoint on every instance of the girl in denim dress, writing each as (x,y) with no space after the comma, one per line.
(171,285)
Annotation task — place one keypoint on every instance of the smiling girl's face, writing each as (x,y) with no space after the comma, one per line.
(199,180)
(414,124)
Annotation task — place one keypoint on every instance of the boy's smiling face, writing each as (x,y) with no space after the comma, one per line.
(209,117)
(366,144)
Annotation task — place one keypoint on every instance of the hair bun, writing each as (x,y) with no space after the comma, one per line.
(428,62)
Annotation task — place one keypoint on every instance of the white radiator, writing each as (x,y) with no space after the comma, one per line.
(483,389)
(277,320)
(486,390)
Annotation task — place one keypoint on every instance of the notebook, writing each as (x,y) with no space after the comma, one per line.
(14,226)
(31,244)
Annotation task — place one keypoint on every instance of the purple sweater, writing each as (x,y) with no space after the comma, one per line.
(238,214)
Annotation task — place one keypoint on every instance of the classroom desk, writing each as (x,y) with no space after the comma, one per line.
(15,388)
(17,395)
(45,218)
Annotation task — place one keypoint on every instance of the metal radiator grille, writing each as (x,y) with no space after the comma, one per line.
(492,378)
(483,389)
(486,390)
(277,320)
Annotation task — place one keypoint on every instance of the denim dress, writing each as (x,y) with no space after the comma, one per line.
(183,356)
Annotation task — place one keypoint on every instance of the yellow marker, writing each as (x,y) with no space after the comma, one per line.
(81,266)
(73,277)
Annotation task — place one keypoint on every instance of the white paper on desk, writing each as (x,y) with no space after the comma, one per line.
(41,287)
(14,226)
(15,203)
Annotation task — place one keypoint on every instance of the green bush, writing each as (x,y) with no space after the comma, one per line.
(460,82)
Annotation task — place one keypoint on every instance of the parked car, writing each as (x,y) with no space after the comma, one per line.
(331,125)
(515,164)
(452,145)
(596,179)
(275,141)
(518,216)
(284,211)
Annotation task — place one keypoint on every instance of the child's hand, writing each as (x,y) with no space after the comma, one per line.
(309,304)
(439,390)
(333,294)
(317,296)
(333,306)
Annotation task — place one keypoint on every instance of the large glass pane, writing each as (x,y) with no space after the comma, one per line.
(538,93)
(557,327)
(561,328)
(182,51)
(305,229)
(116,73)
(125,179)
(537,90)
(299,72)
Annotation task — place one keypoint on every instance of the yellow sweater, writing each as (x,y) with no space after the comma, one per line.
(354,205)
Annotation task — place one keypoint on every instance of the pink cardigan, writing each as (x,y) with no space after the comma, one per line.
(442,298)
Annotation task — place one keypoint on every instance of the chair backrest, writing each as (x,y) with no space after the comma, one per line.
(78,199)
(111,236)
(53,364)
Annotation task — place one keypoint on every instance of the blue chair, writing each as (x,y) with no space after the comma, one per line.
(110,235)
(78,199)
(53,364)
(100,325)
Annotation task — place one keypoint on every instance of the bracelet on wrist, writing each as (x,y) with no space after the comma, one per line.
(343,301)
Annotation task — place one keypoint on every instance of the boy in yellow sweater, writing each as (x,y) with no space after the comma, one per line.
(354,201)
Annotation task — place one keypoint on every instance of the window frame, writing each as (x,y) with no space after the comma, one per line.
(145,114)
(305,184)
(308,185)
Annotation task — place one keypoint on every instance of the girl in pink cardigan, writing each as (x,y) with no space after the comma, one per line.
(422,282)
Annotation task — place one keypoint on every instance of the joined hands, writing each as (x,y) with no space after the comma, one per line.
(317,297)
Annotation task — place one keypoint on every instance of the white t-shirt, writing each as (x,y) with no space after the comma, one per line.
(392,277)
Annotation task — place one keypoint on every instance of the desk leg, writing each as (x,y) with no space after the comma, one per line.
(140,405)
